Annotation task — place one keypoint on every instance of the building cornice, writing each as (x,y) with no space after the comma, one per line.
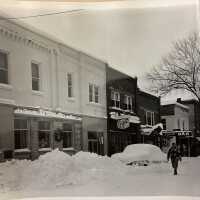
(27,41)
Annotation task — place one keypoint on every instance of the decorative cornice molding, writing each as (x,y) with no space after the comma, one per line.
(15,36)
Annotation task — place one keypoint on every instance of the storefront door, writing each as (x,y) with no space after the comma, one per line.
(117,141)
(96,142)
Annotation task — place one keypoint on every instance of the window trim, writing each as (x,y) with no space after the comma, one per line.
(152,114)
(72,85)
(113,98)
(93,95)
(36,78)
(7,53)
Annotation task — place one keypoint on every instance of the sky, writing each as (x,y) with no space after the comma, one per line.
(131,36)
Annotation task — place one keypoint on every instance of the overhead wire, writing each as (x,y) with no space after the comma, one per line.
(40,15)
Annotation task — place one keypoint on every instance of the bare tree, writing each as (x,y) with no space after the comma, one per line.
(180,69)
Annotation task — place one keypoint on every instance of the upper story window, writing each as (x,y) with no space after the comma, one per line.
(115,98)
(35,76)
(163,121)
(150,118)
(94,93)
(128,102)
(70,84)
(3,68)
(183,125)
(178,123)
(21,133)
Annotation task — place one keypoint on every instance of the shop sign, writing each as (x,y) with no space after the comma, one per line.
(178,133)
(184,133)
(123,123)
(168,133)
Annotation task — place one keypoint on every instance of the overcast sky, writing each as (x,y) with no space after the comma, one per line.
(130,37)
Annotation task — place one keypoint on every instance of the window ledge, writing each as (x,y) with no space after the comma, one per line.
(95,104)
(38,93)
(22,150)
(115,108)
(45,149)
(6,86)
(72,99)
(68,149)
(130,111)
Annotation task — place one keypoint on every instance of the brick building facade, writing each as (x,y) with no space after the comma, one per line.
(148,109)
(122,121)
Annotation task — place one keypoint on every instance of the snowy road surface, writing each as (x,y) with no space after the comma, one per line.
(94,176)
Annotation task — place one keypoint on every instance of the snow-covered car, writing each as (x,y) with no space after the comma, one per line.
(140,154)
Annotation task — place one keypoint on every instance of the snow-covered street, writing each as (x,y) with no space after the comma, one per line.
(86,174)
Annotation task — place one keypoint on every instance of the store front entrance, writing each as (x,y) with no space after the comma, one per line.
(96,142)
(117,141)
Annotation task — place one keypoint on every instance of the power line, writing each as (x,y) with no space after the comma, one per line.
(40,15)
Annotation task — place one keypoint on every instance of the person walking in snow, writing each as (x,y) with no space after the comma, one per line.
(175,156)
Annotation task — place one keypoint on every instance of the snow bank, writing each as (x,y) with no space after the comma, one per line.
(140,152)
(57,169)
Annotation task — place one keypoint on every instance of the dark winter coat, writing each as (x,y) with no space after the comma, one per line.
(174,155)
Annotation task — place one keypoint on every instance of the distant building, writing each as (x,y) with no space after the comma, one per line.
(148,109)
(175,119)
(194,114)
(123,124)
(194,122)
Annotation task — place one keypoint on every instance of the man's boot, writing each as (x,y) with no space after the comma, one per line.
(175,171)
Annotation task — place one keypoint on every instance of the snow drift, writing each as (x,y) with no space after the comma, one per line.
(140,152)
(57,169)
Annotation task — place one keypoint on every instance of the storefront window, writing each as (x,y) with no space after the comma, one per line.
(44,134)
(67,135)
(164,124)
(20,133)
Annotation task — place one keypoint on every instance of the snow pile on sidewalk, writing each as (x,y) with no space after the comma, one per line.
(56,169)
(140,152)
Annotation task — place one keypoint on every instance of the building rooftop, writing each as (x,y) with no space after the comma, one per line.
(172,102)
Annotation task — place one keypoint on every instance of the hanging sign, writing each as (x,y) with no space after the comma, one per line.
(123,123)
(184,133)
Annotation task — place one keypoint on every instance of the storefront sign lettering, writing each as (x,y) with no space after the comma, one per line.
(123,123)
(178,133)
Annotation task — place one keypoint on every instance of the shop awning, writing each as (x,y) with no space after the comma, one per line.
(131,118)
(198,138)
(185,133)
(45,113)
(148,129)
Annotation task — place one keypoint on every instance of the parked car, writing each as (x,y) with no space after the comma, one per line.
(141,154)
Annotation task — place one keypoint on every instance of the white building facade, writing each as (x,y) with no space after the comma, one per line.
(175,119)
(51,96)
